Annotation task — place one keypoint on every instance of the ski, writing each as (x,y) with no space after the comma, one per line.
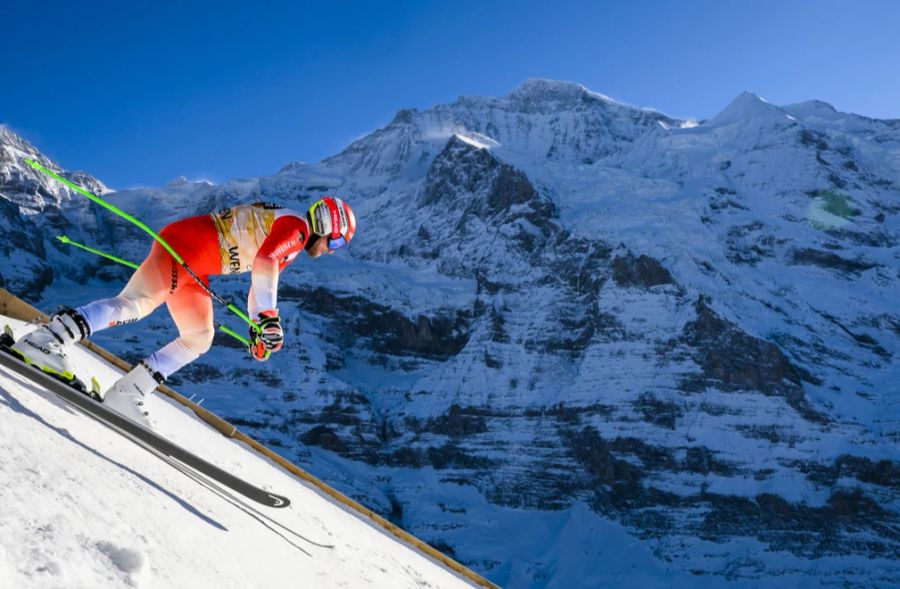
(143,437)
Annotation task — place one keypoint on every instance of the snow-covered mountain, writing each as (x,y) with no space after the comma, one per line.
(562,313)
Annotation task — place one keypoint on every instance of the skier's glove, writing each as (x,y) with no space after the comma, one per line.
(269,337)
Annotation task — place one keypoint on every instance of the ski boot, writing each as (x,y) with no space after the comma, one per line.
(46,347)
(129,394)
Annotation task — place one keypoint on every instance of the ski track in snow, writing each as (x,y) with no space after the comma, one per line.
(83,507)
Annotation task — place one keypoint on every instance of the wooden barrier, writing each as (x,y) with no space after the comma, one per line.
(16,308)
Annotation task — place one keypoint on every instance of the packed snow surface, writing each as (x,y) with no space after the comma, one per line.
(84,507)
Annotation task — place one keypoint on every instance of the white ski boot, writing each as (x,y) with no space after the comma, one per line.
(46,346)
(128,396)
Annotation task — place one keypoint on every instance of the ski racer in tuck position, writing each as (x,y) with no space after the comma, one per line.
(261,238)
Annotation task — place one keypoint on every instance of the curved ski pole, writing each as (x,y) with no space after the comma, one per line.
(68,241)
(112,208)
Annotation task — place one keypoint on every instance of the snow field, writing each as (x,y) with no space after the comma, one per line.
(83,507)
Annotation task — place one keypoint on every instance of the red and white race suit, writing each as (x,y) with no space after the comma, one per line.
(258,238)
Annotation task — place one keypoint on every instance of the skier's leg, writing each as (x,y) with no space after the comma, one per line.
(145,291)
(191,309)
(195,238)
(46,346)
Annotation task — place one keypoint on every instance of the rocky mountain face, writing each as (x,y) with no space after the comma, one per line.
(35,207)
(568,324)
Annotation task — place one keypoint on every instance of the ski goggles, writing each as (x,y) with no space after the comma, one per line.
(336,243)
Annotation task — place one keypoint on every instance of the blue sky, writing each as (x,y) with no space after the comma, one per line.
(138,93)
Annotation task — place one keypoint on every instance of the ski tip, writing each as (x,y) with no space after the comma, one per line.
(278,501)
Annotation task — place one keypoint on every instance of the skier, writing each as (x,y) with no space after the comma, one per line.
(261,238)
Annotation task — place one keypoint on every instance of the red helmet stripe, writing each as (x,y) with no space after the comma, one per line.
(340,217)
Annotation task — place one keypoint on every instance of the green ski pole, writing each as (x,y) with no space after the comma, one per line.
(68,241)
(153,234)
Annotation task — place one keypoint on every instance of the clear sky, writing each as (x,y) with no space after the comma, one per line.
(138,93)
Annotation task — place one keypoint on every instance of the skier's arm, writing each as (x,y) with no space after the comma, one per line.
(285,241)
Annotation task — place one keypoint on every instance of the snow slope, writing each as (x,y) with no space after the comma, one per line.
(82,507)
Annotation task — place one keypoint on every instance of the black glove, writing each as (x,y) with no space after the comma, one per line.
(269,338)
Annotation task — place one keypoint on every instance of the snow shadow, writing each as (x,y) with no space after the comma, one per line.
(16,406)
(51,398)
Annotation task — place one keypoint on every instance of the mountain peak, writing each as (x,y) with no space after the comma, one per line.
(405,115)
(812,109)
(10,138)
(746,106)
(815,105)
(544,90)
